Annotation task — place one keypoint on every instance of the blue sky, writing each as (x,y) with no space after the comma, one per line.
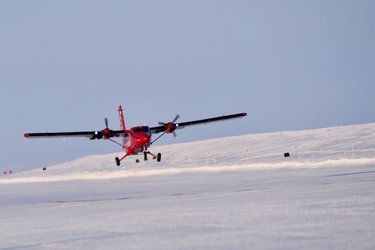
(291,65)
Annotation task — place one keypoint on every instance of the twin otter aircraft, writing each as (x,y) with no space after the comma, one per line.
(137,139)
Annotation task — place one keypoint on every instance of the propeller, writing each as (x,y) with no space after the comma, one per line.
(106,133)
(170,126)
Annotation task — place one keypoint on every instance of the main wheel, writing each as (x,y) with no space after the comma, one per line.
(117,161)
(145,156)
(158,157)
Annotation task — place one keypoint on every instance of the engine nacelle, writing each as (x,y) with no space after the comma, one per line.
(170,128)
(107,133)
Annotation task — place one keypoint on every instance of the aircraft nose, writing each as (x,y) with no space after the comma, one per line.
(145,138)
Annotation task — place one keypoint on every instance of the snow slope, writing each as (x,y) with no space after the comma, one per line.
(313,148)
(230,193)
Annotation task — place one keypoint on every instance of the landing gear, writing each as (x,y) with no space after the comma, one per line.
(117,161)
(158,157)
(145,153)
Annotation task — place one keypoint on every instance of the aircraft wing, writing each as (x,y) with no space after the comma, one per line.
(170,127)
(100,134)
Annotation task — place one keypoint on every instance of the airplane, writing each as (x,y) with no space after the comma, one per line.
(137,139)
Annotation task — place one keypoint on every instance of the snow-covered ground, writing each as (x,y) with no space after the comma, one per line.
(230,193)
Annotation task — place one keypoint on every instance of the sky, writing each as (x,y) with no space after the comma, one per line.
(291,65)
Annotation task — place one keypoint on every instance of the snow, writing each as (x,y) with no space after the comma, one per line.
(229,193)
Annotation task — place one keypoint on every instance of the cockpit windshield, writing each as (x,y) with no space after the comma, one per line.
(142,129)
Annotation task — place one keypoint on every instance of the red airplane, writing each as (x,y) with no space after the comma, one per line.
(137,139)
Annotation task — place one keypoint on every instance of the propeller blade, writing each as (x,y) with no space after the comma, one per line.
(106,122)
(176,118)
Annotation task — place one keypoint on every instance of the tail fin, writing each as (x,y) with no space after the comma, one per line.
(122,121)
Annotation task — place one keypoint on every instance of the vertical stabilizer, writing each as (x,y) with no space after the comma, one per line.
(122,121)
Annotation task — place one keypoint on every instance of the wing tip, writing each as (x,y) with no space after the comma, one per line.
(26,135)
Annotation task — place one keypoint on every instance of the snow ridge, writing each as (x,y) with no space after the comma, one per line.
(346,145)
